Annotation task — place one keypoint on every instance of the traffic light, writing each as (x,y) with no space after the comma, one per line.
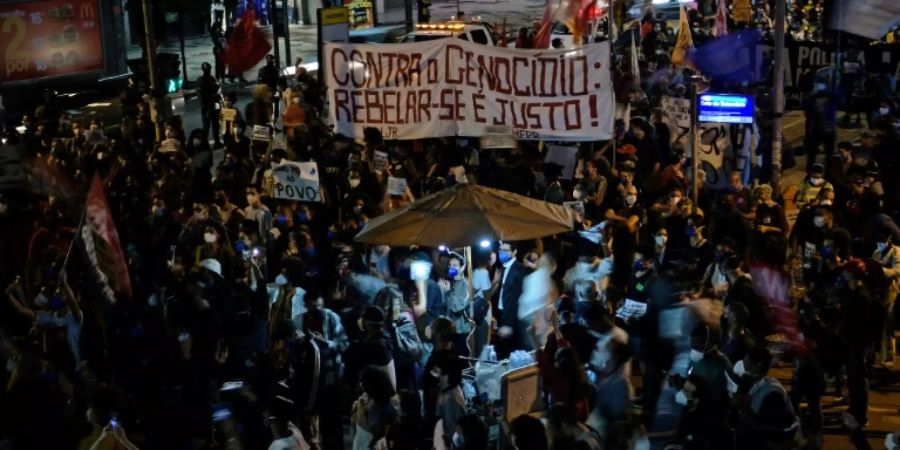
(169,70)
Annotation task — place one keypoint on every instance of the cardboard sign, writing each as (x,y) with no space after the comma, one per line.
(396,186)
(379,160)
(577,207)
(168,146)
(498,137)
(228,114)
(261,133)
(297,181)
(631,309)
(452,87)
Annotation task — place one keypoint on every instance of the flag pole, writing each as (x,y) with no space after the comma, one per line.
(778,98)
(150,42)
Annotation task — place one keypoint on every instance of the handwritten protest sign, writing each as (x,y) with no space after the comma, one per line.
(260,133)
(396,186)
(450,87)
(298,181)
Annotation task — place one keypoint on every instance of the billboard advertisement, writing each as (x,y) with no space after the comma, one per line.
(41,39)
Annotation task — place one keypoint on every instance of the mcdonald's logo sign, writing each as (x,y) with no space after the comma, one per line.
(88,11)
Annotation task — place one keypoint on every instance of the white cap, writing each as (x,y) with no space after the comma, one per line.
(212,265)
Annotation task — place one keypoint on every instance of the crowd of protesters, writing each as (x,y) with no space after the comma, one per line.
(257,323)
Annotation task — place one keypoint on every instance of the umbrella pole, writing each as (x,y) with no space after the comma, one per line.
(469,270)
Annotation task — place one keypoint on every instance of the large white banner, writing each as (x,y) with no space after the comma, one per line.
(451,87)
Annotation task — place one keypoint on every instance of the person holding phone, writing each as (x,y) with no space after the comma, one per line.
(455,287)
(108,432)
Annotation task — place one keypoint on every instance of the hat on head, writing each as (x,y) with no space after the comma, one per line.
(212,265)
(856,267)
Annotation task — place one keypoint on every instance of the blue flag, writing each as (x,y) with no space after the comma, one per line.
(731,59)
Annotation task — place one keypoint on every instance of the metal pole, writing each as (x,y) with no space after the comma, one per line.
(272,16)
(695,149)
(287,34)
(408,7)
(184,71)
(150,42)
(778,98)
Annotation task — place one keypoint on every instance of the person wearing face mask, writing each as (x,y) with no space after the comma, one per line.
(811,186)
(613,392)
(323,326)
(660,239)
(709,363)
(510,278)
(703,424)
(887,254)
(459,307)
(644,274)
(216,246)
(625,223)
(822,245)
(767,418)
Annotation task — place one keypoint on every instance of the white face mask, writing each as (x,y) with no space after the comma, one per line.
(816,181)
(354,182)
(696,355)
(3,207)
(819,221)
(642,443)
(739,369)
(884,111)
(681,398)
(196,142)
(730,385)
(890,441)
(630,199)
(880,246)
(576,194)
(458,441)
(661,240)
(209,238)
(826,202)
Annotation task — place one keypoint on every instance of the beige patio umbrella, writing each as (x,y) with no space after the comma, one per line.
(464,215)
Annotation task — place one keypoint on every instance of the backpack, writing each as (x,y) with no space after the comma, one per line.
(406,342)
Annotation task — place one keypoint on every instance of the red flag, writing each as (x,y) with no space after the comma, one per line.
(101,242)
(571,13)
(542,38)
(247,45)
(772,285)
(721,19)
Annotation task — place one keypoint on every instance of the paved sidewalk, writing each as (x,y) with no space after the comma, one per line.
(198,50)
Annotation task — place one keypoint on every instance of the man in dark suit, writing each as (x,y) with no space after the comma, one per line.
(512,334)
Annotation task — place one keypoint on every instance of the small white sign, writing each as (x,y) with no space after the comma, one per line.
(261,133)
(396,186)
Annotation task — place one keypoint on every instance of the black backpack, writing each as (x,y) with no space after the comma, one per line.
(407,347)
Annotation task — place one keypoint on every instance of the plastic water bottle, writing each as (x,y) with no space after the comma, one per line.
(492,354)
